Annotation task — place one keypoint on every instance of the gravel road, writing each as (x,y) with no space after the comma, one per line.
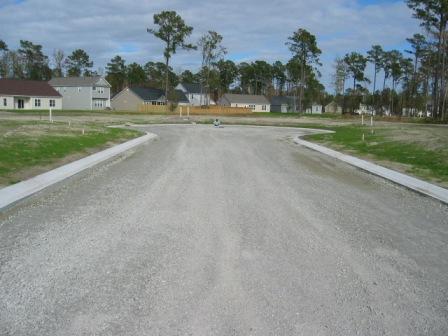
(232,231)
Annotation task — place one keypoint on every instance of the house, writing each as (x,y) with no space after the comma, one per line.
(364,109)
(255,102)
(315,108)
(28,95)
(193,94)
(131,98)
(83,93)
(333,107)
(283,104)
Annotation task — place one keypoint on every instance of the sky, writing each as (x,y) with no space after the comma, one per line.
(252,29)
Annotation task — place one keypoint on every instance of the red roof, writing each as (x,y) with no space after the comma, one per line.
(19,87)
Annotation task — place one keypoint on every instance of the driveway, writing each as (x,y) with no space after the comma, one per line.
(233,231)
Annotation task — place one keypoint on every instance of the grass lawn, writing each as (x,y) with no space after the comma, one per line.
(402,144)
(421,151)
(28,148)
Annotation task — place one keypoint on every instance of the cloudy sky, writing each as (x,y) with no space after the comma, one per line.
(252,29)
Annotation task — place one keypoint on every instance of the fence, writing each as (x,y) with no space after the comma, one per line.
(194,110)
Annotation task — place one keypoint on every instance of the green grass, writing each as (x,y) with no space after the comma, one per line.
(420,161)
(25,146)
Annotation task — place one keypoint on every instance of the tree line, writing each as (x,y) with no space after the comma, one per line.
(413,81)
(30,62)
(402,82)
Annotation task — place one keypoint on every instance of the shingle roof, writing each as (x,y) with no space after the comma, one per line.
(75,81)
(19,87)
(181,97)
(147,94)
(246,99)
(192,88)
(282,100)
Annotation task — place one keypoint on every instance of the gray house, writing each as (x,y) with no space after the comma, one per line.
(130,99)
(83,93)
(255,102)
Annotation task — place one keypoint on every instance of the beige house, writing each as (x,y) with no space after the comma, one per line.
(17,94)
(255,102)
(130,99)
(333,107)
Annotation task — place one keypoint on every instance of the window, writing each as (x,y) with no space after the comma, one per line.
(5,102)
(36,102)
(79,89)
(263,108)
(52,103)
(94,88)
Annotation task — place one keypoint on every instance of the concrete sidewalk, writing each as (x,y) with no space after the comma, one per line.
(21,190)
(405,180)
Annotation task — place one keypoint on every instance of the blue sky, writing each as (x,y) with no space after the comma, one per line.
(253,29)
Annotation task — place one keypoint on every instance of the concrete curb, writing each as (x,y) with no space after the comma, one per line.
(21,190)
(407,181)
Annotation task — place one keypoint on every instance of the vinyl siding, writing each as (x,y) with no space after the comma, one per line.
(126,101)
(82,98)
(29,103)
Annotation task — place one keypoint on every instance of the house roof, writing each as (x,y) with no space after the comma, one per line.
(282,100)
(181,97)
(147,94)
(246,99)
(192,87)
(75,81)
(19,87)
(333,103)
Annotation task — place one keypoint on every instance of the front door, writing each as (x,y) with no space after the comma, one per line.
(20,103)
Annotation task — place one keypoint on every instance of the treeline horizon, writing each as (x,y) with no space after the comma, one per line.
(414,80)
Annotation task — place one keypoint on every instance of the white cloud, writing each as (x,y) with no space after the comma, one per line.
(251,29)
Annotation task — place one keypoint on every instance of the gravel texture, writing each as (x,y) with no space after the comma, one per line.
(232,231)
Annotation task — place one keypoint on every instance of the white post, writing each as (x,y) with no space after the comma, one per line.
(188,111)
(362,119)
(180,111)
(363,137)
(51,115)
(83,131)
(371,121)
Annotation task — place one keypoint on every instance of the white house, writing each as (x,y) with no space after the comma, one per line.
(283,104)
(193,93)
(364,109)
(17,94)
(315,108)
(255,102)
(83,93)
